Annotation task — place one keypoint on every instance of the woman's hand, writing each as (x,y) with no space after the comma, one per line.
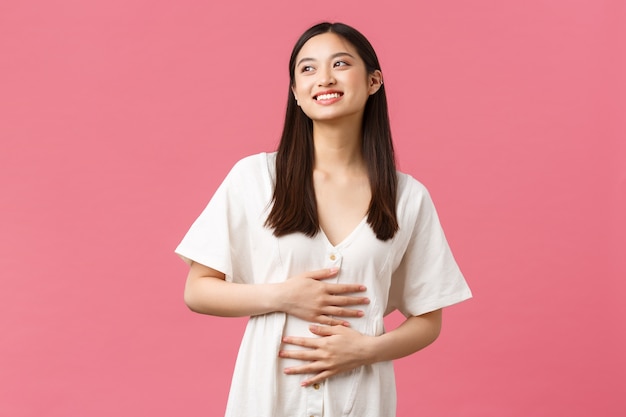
(340,349)
(307,297)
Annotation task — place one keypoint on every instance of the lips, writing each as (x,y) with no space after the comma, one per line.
(328,95)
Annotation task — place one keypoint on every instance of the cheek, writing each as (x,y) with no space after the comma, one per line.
(300,90)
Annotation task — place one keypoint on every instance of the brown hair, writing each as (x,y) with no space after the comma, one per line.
(294,206)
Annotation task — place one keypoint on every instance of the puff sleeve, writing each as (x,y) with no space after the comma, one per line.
(427,277)
(215,233)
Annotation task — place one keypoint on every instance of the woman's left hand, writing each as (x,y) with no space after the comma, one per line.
(339,349)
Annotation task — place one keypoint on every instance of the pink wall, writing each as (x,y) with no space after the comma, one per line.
(119,118)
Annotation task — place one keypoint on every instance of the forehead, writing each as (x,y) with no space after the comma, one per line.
(325,45)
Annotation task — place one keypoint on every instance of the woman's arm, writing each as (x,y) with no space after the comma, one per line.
(305,296)
(341,349)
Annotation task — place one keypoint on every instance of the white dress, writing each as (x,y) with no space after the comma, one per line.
(414,272)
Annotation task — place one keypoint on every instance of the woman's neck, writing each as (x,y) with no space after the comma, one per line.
(337,147)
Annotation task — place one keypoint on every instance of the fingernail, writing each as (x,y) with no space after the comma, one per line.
(347,324)
(334,269)
(360,314)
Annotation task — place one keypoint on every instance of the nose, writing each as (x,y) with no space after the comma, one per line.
(326,77)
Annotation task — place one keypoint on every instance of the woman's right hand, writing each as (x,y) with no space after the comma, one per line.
(309,298)
(305,296)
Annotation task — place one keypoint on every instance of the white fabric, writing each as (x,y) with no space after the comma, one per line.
(414,272)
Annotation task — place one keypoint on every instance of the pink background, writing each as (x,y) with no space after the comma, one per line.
(119,118)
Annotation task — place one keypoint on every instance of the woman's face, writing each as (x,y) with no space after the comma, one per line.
(331,82)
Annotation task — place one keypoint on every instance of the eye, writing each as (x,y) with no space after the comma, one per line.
(340,64)
(307,68)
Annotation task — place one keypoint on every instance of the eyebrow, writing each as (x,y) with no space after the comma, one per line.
(333,56)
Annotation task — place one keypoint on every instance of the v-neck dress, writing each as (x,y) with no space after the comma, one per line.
(413,272)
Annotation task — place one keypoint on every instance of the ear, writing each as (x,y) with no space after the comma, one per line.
(375,81)
(293,91)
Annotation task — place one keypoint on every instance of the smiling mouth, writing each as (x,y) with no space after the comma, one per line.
(328,96)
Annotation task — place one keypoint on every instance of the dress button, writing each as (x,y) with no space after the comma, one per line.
(333,257)
(316,386)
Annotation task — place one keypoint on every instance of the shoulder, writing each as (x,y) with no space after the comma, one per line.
(410,188)
(252,178)
(414,200)
(254,162)
(258,166)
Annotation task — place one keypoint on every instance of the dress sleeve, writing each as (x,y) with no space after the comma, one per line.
(427,278)
(210,238)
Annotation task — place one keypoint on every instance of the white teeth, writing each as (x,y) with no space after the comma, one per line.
(328,96)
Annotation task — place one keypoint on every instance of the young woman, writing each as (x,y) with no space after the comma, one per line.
(318,241)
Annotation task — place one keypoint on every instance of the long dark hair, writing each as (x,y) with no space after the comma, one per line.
(294,206)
